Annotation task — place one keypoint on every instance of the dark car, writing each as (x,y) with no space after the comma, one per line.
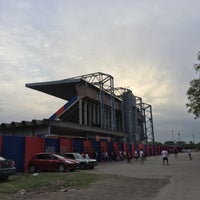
(83,162)
(50,162)
(7,168)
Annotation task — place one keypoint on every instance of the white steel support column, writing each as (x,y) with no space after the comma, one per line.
(98,115)
(90,113)
(80,112)
(94,114)
(85,112)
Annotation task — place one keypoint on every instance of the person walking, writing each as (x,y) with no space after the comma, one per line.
(128,156)
(165,154)
(176,153)
(136,156)
(190,154)
(142,156)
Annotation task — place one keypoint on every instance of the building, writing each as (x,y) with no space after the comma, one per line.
(94,109)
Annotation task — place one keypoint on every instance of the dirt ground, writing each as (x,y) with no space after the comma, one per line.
(109,186)
(133,181)
(112,187)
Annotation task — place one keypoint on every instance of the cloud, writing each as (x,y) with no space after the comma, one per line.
(146,46)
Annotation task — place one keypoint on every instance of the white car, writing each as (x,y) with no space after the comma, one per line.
(83,162)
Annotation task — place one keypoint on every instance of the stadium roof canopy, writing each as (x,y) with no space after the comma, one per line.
(63,89)
(67,88)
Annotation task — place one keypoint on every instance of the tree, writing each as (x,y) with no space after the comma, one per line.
(191,145)
(193,93)
(181,143)
(198,146)
(169,143)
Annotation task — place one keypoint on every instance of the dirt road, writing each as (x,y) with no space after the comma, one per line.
(151,181)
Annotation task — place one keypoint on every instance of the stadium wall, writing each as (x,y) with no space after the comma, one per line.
(21,149)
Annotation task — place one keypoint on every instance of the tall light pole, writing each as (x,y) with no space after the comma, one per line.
(179,137)
(173,135)
(193,138)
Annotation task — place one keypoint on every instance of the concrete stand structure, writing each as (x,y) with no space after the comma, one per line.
(94,109)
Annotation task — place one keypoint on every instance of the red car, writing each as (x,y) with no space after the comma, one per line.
(50,162)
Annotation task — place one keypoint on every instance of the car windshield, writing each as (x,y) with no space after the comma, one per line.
(1,158)
(61,157)
(78,156)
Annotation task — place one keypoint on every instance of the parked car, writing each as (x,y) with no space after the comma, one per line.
(51,162)
(83,162)
(7,168)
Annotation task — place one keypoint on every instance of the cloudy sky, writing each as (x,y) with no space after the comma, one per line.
(148,46)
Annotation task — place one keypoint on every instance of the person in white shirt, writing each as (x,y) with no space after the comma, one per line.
(141,156)
(164,154)
(136,155)
(87,157)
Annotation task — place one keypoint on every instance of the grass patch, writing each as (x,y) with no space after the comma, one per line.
(45,181)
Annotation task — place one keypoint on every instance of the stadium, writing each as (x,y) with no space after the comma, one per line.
(97,117)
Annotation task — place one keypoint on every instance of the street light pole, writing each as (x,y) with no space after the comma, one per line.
(173,135)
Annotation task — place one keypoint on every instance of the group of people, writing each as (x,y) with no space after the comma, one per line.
(112,156)
(165,155)
(128,155)
(140,156)
(86,156)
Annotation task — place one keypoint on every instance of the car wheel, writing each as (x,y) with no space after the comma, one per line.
(32,169)
(82,166)
(3,178)
(92,167)
(61,168)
